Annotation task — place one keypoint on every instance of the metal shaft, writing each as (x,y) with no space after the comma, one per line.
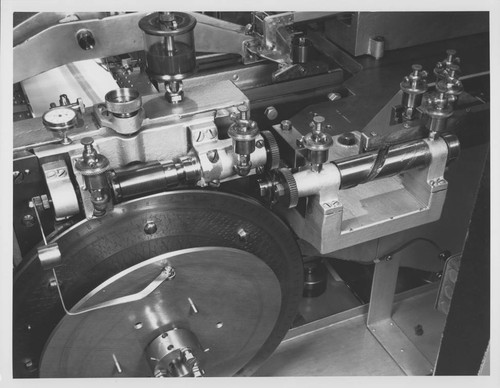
(153,177)
(387,161)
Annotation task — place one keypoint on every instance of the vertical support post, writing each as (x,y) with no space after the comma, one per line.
(411,361)
(383,289)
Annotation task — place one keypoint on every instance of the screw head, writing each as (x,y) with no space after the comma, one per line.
(334,96)
(150,227)
(28,220)
(286,125)
(271,113)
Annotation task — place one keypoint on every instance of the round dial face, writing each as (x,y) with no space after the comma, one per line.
(59,118)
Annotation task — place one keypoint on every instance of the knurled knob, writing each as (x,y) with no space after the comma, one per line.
(291,196)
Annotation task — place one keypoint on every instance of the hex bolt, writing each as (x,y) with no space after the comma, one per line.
(286,125)
(242,235)
(53,283)
(271,112)
(28,220)
(334,96)
(85,39)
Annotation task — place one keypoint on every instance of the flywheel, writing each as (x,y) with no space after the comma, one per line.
(185,283)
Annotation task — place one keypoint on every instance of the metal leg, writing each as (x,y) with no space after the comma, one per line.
(384,329)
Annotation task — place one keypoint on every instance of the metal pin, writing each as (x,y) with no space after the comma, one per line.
(193,306)
(117,364)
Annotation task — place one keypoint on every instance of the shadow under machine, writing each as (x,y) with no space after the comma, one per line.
(261,193)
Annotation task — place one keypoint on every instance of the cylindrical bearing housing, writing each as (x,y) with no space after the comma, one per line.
(123,102)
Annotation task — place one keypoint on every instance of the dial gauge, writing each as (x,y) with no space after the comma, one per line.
(59,118)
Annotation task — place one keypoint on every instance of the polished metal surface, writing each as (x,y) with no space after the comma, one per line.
(342,345)
(95,252)
(238,298)
(63,198)
(123,101)
(384,163)
(381,325)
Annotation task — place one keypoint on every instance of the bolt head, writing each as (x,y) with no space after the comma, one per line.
(334,96)
(271,112)
(150,227)
(286,125)
(242,235)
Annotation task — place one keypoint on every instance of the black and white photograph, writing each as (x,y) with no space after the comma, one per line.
(248,193)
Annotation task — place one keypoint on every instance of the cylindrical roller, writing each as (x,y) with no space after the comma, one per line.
(153,177)
(383,163)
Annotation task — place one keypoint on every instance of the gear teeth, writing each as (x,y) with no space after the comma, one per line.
(273,151)
(291,192)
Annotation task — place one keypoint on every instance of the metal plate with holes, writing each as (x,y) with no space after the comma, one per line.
(95,250)
(236,295)
(447,285)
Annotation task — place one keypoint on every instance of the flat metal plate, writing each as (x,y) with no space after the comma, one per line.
(342,345)
(237,296)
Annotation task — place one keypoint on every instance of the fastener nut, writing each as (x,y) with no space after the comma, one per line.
(271,112)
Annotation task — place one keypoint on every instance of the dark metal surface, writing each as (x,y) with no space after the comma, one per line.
(97,249)
(466,334)
(237,299)
(401,29)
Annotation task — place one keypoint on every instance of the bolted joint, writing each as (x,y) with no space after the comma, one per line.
(169,272)
(85,39)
